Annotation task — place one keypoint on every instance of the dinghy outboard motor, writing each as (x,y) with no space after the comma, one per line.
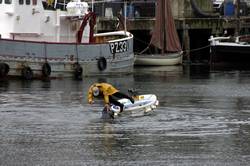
(133,93)
(107,113)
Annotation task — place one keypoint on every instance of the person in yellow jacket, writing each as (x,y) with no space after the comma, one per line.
(109,93)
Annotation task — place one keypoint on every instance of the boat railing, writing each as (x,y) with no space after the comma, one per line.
(236,39)
(137,9)
(219,38)
(244,38)
(215,40)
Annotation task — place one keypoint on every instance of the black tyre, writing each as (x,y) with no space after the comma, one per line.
(46,70)
(4,69)
(102,63)
(78,71)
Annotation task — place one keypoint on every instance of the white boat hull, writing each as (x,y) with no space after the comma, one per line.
(144,103)
(170,59)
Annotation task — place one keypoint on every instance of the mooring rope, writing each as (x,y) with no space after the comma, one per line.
(190,50)
(197,49)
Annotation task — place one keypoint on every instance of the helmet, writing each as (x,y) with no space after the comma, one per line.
(95,91)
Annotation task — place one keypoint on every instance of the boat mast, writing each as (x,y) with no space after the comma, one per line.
(164,26)
(237,15)
(125,16)
(55,4)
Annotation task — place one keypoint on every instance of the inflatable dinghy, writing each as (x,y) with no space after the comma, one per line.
(145,103)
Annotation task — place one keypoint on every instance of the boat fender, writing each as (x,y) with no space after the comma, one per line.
(46,69)
(27,73)
(102,63)
(78,71)
(4,69)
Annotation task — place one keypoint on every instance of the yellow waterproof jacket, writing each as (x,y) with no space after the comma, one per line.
(105,89)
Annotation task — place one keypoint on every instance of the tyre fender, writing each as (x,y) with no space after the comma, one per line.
(46,69)
(102,63)
(4,69)
(78,71)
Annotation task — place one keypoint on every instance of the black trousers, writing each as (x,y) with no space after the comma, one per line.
(118,95)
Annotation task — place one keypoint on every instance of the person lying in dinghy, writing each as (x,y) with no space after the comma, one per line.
(110,94)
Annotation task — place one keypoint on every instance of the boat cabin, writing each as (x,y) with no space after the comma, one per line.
(42,20)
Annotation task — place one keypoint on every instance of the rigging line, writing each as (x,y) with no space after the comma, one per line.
(190,50)
(197,49)
(145,49)
(141,41)
(45,51)
(76,53)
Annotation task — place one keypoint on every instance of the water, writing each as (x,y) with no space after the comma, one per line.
(203,119)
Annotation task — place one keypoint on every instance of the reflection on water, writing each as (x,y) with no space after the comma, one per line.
(203,119)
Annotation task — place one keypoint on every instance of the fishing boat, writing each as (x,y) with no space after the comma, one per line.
(230,50)
(57,39)
(165,38)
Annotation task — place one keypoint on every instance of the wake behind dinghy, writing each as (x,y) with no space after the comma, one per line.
(143,104)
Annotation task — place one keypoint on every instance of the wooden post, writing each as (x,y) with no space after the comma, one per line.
(186,40)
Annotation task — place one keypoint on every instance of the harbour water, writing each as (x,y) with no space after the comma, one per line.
(203,119)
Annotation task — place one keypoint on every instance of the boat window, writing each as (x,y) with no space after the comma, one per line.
(20,2)
(34,2)
(27,2)
(50,4)
(0,1)
(7,1)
